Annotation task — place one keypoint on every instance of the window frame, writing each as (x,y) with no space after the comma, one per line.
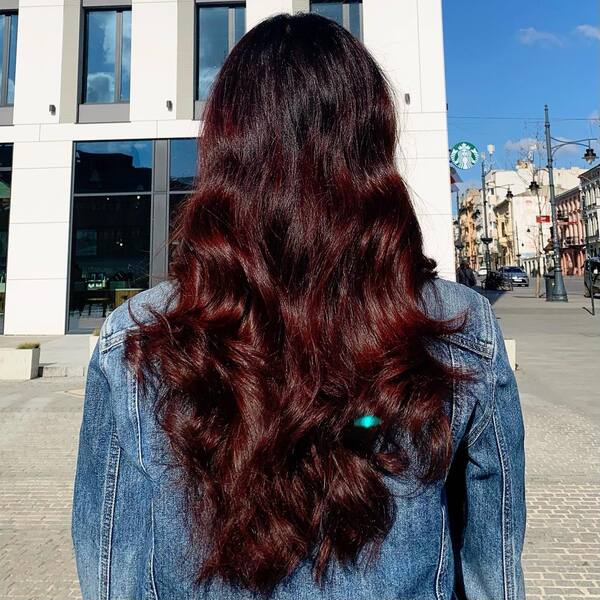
(8,10)
(231,5)
(102,112)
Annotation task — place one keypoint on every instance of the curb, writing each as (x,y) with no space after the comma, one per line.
(61,371)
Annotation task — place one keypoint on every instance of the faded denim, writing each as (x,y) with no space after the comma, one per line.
(459,538)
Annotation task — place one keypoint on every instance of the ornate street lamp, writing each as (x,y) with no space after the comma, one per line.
(559,292)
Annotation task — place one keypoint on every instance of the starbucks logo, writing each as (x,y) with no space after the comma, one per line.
(463,155)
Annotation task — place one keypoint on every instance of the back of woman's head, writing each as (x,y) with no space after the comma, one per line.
(299,270)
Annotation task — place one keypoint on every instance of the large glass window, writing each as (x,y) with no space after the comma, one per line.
(183,155)
(347,13)
(218,28)
(117,166)
(5,180)
(107,56)
(110,238)
(8,48)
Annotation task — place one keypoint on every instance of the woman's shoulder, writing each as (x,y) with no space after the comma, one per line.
(448,300)
(139,308)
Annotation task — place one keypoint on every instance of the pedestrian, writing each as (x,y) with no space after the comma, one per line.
(303,409)
(466,275)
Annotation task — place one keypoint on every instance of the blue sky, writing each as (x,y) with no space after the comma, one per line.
(506,59)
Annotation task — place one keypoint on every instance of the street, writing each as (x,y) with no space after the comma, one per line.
(558,347)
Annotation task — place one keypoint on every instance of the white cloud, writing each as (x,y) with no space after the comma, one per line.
(589,31)
(530,36)
(522,146)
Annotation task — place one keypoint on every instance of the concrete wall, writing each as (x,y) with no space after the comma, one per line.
(405,37)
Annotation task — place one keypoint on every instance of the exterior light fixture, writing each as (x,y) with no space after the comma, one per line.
(509,194)
(590,155)
(534,186)
(169,105)
(52,109)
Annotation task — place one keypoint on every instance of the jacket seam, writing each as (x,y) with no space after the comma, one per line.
(110,499)
(138,427)
(441,562)
(505,493)
(152,581)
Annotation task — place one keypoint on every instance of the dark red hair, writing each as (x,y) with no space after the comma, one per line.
(299,270)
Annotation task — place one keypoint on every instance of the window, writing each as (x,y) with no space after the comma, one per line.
(218,28)
(106,66)
(8,47)
(124,193)
(183,156)
(107,56)
(347,13)
(110,236)
(5,181)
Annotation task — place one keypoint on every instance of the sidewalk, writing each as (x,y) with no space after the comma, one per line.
(558,351)
(60,355)
(558,357)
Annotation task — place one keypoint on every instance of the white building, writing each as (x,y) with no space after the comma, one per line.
(99,107)
(525,206)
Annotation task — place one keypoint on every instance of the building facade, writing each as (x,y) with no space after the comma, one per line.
(571,235)
(590,208)
(100,104)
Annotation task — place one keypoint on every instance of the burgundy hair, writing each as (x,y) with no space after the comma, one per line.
(299,272)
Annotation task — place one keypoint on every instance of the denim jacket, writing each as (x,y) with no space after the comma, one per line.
(459,538)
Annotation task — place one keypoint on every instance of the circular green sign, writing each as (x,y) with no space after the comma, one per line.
(463,155)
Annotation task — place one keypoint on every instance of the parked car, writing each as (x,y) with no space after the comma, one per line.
(592,271)
(515,275)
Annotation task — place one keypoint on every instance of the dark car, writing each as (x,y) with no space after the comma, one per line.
(515,275)
(592,272)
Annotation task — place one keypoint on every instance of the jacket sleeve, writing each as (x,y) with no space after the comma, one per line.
(489,472)
(95,480)
(112,503)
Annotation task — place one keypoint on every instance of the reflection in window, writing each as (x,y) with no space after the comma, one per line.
(110,236)
(8,50)
(182,171)
(107,56)
(5,180)
(219,28)
(110,255)
(346,13)
(117,166)
(183,155)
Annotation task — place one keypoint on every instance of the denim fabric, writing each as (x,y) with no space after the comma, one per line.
(458,538)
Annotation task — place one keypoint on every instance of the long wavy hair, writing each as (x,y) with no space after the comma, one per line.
(298,271)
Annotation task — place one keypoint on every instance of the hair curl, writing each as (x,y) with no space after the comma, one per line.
(299,272)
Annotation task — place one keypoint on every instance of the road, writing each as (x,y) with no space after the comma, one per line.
(558,352)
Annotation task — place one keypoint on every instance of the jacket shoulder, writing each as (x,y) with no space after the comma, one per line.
(447,300)
(139,308)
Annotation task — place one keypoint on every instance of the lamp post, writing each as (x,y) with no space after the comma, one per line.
(559,292)
(486,240)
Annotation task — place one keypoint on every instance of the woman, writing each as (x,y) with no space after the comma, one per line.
(303,410)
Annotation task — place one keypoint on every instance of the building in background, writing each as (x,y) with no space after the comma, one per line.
(470,226)
(590,205)
(570,231)
(100,105)
(519,222)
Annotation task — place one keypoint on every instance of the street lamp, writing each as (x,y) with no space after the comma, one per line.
(559,292)
(486,240)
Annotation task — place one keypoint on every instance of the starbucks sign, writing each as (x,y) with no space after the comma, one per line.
(463,155)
